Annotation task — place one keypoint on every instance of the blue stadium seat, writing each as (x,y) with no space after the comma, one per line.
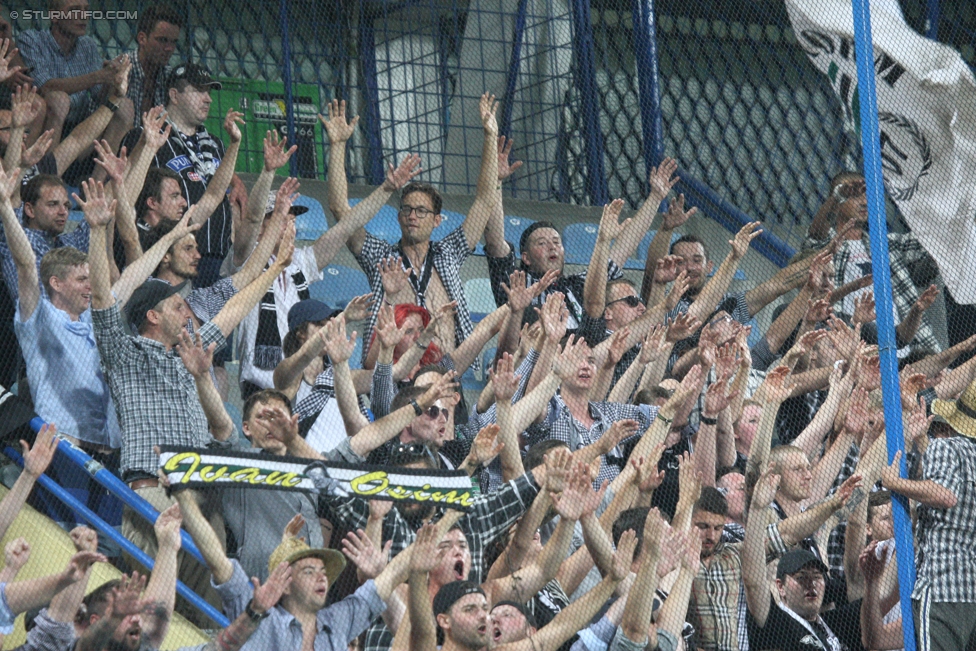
(481,301)
(470,382)
(384,225)
(487,359)
(312,224)
(76,216)
(339,286)
(579,241)
(514,227)
(356,361)
(450,221)
(639,258)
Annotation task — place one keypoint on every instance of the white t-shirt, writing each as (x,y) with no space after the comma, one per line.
(859,266)
(285,297)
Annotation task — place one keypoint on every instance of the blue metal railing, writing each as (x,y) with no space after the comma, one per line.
(119,489)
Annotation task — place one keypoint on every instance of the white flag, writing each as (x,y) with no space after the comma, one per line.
(927,115)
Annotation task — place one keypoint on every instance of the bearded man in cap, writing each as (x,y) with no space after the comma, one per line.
(944,598)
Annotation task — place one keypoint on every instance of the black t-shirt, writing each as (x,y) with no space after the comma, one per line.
(187,156)
(784,633)
(47,165)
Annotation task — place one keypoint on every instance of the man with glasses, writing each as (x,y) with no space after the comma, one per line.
(623,306)
(911,265)
(431,269)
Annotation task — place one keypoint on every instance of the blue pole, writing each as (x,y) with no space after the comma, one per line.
(518,35)
(286,79)
(932,13)
(109,531)
(880,266)
(367,53)
(648,81)
(115,486)
(586,78)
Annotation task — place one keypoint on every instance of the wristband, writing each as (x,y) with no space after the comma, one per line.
(255,617)
(417,409)
(664,419)
(111,106)
(705,420)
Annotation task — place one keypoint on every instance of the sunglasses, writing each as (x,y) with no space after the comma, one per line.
(631,301)
(434,411)
(406,452)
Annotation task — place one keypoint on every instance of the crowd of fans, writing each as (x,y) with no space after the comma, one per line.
(646,477)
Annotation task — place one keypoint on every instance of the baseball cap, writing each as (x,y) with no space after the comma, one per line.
(195,74)
(269,206)
(529,618)
(795,560)
(309,310)
(450,593)
(147,296)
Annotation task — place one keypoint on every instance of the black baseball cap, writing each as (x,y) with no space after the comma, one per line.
(529,618)
(795,560)
(146,297)
(531,229)
(195,74)
(308,311)
(450,593)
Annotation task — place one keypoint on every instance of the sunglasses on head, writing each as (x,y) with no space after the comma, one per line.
(631,301)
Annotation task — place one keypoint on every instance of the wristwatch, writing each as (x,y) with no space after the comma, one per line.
(255,617)
(417,409)
(110,105)
(705,420)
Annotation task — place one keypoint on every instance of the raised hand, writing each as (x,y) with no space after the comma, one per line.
(689,480)
(7,55)
(506,168)
(23,106)
(337,344)
(425,556)
(98,211)
(682,327)
(196,358)
(857,416)
(504,382)
(125,599)
(691,385)
(443,388)
(726,359)
(79,564)
(623,558)
(559,464)
(336,125)
(917,423)
(393,275)
(649,478)
(167,527)
(654,345)
(399,176)
(610,226)
(121,78)
(281,426)
(654,530)
(386,329)
(864,308)
(265,597)
(691,559)
(231,122)
(765,491)
(38,458)
(740,243)
(665,270)
(715,397)
(871,566)
(846,489)
(521,296)
(569,504)
(487,108)
(568,361)
(30,156)
(806,343)
(358,308)
(359,549)
(926,298)
(84,539)
(16,554)
(673,545)
(661,180)
(113,165)
(554,316)
(777,386)
(619,430)
(293,528)
(155,128)
(486,446)
(8,182)
(618,345)
(275,154)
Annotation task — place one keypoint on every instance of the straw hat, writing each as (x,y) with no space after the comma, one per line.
(959,414)
(295,549)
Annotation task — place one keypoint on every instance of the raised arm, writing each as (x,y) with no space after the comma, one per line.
(155,133)
(36,461)
(876,634)
(217,187)
(640,602)
(247,228)
(505,383)
(423,629)
(595,287)
(340,130)
(198,361)
(64,606)
(125,215)
(774,390)
(784,281)
(242,302)
(495,244)
(716,287)
(753,553)
(23,111)
(29,293)
(660,180)
(203,535)
(22,596)
(802,525)
(673,612)
(161,589)
(98,213)
(927,492)
(486,196)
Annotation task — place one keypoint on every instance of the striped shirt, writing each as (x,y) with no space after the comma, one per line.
(946,560)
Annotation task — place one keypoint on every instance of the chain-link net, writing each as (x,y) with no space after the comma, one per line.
(714,377)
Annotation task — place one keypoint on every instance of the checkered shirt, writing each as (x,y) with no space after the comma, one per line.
(448,256)
(594,330)
(714,606)
(41,242)
(137,84)
(43,54)
(491,516)
(560,424)
(155,396)
(946,560)
(835,543)
(207,302)
(904,251)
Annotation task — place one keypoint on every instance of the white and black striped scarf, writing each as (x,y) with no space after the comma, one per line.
(267,342)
